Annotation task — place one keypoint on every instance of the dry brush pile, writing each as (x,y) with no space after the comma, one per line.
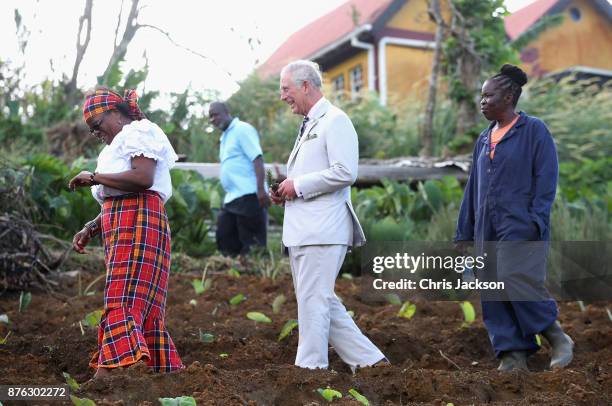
(24,259)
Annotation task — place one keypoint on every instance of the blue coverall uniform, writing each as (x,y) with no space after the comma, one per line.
(508,199)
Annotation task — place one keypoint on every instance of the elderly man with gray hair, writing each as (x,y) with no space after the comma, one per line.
(320,224)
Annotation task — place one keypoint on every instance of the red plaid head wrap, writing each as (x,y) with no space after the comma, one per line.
(103,100)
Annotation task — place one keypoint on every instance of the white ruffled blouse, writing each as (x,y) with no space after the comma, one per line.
(139,138)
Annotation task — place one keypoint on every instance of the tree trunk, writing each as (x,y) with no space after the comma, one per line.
(427,135)
(467,70)
(467,113)
(71,86)
(120,49)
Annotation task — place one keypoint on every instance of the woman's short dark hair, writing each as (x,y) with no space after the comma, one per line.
(511,79)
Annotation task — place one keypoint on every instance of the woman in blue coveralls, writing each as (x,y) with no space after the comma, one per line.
(508,199)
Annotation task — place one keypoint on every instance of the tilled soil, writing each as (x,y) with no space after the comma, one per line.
(434,359)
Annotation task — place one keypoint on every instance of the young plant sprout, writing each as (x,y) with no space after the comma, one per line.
(407,310)
(287,328)
(329,394)
(277,303)
(180,401)
(359,397)
(258,317)
(273,185)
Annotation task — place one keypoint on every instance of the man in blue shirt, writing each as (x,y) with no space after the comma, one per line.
(242,220)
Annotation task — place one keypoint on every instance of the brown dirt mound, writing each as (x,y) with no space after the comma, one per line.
(46,340)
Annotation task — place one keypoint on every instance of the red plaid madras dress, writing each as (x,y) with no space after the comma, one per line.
(136,238)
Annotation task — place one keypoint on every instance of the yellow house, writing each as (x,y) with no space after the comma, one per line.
(386,45)
(379,45)
(581,43)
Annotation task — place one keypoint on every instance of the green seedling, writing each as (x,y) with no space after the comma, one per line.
(24,300)
(258,317)
(407,310)
(236,300)
(206,338)
(329,394)
(198,286)
(3,340)
(224,355)
(180,401)
(359,397)
(287,328)
(351,313)
(233,273)
(347,276)
(469,314)
(92,319)
(278,303)
(193,302)
(81,401)
(4,318)
(74,385)
(393,299)
(201,286)
(270,179)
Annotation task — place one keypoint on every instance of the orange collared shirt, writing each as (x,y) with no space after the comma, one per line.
(498,134)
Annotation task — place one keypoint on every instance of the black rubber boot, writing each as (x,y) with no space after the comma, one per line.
(513,360)
(562,346)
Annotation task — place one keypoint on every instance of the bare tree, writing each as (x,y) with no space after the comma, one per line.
(467,68)
(71,86)
(131,27)
(120,49)
(427,135)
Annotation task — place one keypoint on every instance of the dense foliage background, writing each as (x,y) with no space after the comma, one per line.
(44,143)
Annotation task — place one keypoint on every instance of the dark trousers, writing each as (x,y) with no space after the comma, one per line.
(241,224)
(525,308)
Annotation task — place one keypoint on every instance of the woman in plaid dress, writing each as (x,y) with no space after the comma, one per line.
(131,183)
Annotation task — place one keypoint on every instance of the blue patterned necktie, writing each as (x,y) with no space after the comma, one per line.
(302,127)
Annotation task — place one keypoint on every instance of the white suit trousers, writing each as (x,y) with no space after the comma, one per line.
(322,317)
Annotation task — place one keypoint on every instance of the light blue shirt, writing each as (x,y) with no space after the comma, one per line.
(239,147)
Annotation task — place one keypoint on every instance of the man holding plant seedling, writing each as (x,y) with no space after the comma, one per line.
(242,221)
(320,224)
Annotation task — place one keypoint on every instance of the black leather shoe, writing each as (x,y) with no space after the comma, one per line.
(513,360)
(562,346)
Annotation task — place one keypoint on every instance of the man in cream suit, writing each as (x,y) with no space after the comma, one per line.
(320,224)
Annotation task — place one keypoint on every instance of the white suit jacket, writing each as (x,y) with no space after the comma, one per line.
(324,166)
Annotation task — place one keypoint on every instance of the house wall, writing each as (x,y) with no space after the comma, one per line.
(408,71)
(586,42)
(413,16)
(345,68)
(409,68)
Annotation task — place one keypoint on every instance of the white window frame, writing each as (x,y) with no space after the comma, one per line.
(336,82)
(356,79)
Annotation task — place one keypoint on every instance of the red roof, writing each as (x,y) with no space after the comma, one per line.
(322,32)
(339,23)
(521,20)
